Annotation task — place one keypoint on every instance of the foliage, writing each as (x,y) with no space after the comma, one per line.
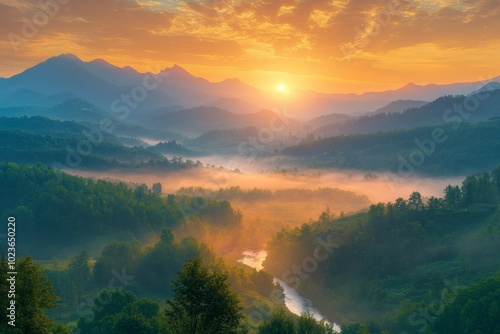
(203,302)
(390,151)
(281,322)
(33,294)
(119,312)
(405,250)
(80,209)
(476,309)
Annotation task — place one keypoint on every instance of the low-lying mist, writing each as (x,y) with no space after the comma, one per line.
(263,217)
(377,187)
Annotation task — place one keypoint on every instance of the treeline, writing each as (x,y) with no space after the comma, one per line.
(200,299)
(281,322)
(339,196)
(144,270)
(31,140)
(103,295)
(405,250)
(415,151)
(432,113)
(59,211)
(173,147)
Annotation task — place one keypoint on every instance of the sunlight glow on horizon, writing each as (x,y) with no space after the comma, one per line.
(318,49)
(281,88)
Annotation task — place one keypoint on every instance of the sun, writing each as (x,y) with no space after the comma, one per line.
(281,88)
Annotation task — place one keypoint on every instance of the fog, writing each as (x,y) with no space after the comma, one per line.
(385,188)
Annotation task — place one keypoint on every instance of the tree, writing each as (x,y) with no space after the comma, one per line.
(203,302)
(119,312)
(279,323)
(116,256)
(167,236)
(495,176)
(80,276)
(475,309)
(157,190)
(486,189)
(306,324)
(453,197)
(415,201)
(33,294)
(469,191)
(434,205)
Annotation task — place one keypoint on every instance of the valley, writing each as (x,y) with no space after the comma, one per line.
(176,197)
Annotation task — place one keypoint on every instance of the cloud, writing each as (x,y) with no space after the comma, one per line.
(295,36)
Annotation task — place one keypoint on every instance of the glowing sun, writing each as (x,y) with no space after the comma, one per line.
(281,88)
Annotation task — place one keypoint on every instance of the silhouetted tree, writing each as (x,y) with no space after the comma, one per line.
(203,302)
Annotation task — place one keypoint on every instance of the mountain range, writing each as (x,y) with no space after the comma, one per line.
(100,83)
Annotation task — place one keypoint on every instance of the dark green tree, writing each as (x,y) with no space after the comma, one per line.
(167,236)
(469,191)
(203,302)
(453,197)
(279,323)
(415,201)
(34,294)
(306,324)
(157,190)
(476,309)
(80,276)
(119,312)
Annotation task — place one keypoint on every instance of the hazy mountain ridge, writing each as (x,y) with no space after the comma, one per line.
(445,109)
(399,106)
(397,151)
(101,83)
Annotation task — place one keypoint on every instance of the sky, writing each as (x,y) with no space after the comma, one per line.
(335,46)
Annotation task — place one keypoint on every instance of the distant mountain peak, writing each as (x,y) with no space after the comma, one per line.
(100,61)
(231,81)
(177,70)
(410,85)
(69,56)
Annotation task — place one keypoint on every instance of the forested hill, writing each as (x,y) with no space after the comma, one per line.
(383,265)
(477,107)
(58,213)
(439,150)
(67,145)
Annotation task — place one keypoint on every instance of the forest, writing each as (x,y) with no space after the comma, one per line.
(378,268)
(388,265)
(61,211)
(440,150)
(70,145)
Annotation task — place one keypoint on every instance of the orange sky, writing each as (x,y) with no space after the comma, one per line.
(327,46)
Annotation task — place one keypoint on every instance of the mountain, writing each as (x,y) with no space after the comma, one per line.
(491,86)
(429,92)
(194,91)
(399,106)
(63,74)
(175,149)
(328,119)
(446,109)
(108,87)
(314,104)
(69,110)
(415,151)
(115,75)
(234,105)
(222,141)
(97,82)
(198,120)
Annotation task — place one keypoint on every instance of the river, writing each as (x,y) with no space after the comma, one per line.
(293,301)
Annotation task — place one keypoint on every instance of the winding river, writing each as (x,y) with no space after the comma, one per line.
(293,301)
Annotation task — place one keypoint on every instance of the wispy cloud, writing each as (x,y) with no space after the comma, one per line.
(299,37)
